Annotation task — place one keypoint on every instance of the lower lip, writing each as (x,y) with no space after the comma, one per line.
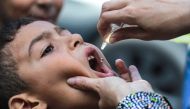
(107,72)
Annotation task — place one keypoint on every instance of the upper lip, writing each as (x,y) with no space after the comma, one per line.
(92,52)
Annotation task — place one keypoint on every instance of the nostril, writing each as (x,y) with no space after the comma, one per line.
(45,6)
(76,43)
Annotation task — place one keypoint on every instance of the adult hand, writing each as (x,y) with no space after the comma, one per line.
(155,19)
(112,89)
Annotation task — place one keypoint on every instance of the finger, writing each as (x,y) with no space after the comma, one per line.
(120,64)
(129,33)
(116,17)
(135,75)
(113,5)
(123,70)
(84,83)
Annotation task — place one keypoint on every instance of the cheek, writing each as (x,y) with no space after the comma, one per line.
(56,69)
(58,3)
(61,66)
(69,67)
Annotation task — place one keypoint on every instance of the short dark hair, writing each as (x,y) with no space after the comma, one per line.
(10,83)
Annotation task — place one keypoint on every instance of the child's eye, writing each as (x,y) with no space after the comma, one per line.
(47,50)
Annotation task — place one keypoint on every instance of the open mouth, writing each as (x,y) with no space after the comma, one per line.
(97,64)
(93,62)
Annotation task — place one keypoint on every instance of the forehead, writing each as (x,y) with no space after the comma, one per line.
(36,26)
(32,30)
(27,33)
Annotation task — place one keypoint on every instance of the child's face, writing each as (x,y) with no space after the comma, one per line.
(47,56)
(41,9)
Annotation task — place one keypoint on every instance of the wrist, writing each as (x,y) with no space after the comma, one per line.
(188,11)
(185,20)
(180,24)
(143,100)
(121,96)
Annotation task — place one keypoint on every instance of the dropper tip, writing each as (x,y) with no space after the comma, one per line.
(103,45)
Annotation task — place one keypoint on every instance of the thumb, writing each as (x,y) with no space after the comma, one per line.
(128,33)
(83,83)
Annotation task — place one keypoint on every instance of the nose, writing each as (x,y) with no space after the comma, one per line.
(45,4)
(75,41)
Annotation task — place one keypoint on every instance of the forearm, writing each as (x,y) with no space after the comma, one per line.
(184,19)
(142,100)
(188,16)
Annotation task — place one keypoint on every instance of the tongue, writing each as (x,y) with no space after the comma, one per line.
(106,72)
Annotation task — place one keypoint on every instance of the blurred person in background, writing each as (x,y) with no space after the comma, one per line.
(154,20)
(39,9)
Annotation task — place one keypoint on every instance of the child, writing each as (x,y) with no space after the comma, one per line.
(37,58)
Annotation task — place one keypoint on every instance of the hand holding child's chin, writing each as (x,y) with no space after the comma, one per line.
(112,89)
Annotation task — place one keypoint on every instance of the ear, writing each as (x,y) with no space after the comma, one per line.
(26,101)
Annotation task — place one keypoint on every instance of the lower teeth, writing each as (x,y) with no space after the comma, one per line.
(101,60)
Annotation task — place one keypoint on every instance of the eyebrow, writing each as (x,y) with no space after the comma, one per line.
(59,29)
(43,36)
(37,39)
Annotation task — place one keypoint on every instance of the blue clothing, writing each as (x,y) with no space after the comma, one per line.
(186,89)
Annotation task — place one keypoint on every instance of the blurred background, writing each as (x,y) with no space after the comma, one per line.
(162,63)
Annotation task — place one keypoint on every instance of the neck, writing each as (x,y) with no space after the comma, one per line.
(3,13)
(0,22)
(3,19)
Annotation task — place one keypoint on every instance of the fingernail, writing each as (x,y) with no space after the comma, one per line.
(132,68)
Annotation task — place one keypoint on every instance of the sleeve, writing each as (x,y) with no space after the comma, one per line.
(144,100)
